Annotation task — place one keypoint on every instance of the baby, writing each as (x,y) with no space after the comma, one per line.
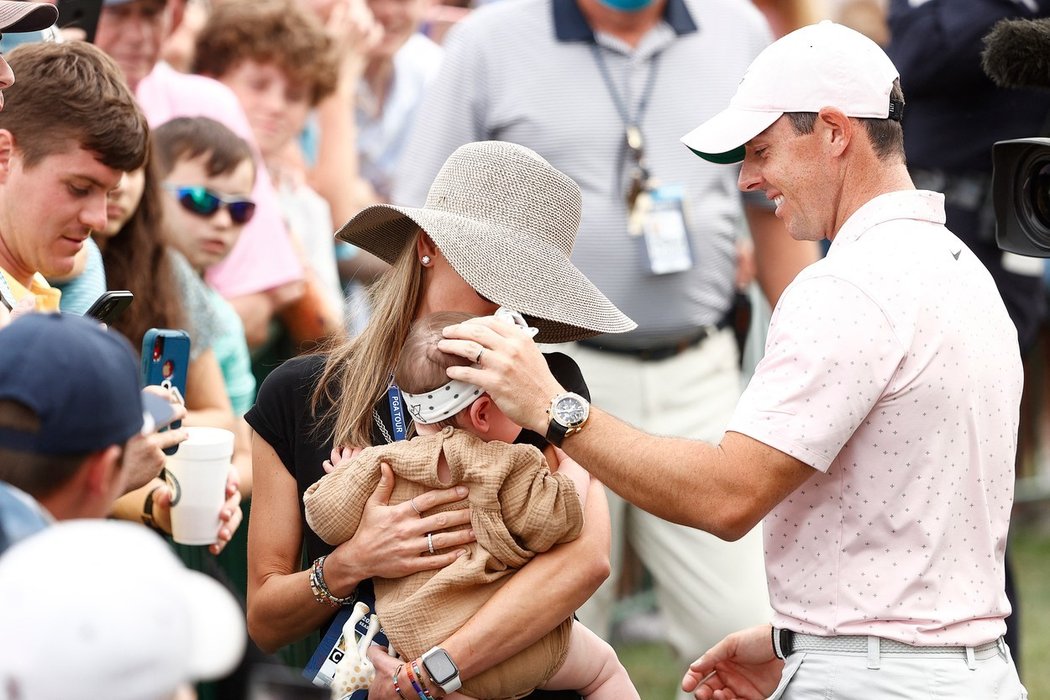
(518,508)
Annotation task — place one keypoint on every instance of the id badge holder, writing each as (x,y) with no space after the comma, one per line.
(320,669)
(664,230)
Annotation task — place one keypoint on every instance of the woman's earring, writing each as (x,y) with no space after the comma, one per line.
(425,260)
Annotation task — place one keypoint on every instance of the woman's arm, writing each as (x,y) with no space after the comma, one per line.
(206,399)
(390,542)
(281,606)
(516,616)
(242,456)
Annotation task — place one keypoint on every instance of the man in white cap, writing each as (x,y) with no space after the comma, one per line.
(877,436)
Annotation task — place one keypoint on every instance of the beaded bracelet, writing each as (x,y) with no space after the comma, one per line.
(417,685)
(423,681)
(397,688)
(320,589)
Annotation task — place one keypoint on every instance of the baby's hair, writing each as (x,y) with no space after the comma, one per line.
(421,365)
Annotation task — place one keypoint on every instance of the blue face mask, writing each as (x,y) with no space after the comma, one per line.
(627,5)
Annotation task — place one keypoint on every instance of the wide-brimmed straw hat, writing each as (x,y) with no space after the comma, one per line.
(506,220)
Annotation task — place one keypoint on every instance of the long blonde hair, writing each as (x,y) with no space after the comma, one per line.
(357,371)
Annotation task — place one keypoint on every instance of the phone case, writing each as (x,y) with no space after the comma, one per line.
(108,307)
(165,362)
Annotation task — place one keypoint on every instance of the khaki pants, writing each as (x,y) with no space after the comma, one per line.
(832,676)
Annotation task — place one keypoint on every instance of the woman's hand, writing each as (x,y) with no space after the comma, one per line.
(355,31)
(740,667)
(229,517)
(382,687)
(391,541)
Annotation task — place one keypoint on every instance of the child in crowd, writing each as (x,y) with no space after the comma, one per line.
(208,174)
(518,508)
(280,63)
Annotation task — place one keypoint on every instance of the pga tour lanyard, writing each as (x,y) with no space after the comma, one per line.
(397,412)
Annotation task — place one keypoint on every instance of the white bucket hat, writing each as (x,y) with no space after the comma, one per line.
(103,609)
(817,66)
(506,221)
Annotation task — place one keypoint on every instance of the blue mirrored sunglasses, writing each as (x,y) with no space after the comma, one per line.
(205,202)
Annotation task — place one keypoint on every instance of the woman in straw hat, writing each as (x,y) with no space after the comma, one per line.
(497,229)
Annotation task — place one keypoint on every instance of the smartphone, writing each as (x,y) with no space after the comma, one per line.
(165,362)
(81,14)
(110,305)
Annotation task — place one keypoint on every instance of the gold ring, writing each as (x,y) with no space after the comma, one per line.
(412,502)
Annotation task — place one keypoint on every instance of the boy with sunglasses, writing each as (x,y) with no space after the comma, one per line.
(208,175)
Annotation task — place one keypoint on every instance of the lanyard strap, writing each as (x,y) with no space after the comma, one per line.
(397,412)
(631,124)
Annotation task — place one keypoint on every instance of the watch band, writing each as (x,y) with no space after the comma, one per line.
(556,432)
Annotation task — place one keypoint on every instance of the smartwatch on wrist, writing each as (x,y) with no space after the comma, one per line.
(442,670)
(568,413)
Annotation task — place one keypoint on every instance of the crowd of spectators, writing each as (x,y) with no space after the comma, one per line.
(201,154)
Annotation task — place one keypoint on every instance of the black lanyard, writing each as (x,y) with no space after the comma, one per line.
(640,174)
(631,124)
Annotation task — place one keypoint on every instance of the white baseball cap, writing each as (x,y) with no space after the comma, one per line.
(95,609)
(817,66)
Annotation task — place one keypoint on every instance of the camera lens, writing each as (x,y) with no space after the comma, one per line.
(1037,192)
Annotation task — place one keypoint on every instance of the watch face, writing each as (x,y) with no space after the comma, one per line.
(570,411)
(440,667)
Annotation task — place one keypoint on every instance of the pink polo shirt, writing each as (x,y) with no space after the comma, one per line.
(263,257)
(892,368)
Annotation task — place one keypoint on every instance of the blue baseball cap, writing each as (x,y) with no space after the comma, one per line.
(80,380)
